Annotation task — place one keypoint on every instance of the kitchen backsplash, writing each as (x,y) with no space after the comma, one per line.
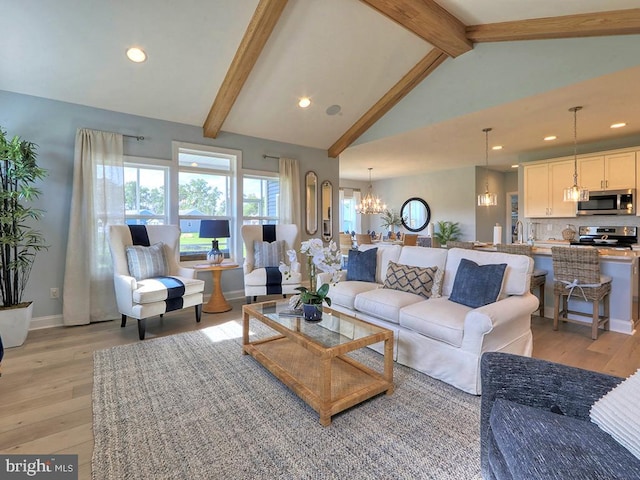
(551,228)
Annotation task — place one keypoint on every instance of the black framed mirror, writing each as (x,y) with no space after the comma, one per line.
(415,214)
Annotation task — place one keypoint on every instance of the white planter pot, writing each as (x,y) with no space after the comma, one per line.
(14,325)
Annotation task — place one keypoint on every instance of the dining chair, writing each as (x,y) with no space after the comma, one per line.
(538,277)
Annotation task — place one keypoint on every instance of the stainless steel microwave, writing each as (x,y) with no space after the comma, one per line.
(609,202)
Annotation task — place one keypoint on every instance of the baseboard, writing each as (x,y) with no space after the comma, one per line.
(46,322)
(51,321)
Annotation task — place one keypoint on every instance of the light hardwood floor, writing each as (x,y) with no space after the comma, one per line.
(45,388)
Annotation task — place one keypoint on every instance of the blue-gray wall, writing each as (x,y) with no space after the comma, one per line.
(52,126)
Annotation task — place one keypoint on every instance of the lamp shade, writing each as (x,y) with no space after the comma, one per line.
(214,229)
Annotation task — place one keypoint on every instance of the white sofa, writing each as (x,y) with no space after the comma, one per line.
(437,336)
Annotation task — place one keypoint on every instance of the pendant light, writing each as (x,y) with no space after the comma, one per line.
(575,193)
(370,204)
(487,199)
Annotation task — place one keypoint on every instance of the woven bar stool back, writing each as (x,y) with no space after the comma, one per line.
(538,277)
(577,277)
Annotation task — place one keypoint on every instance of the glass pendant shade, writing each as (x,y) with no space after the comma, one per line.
(575,193)
(370,204)
(487,199)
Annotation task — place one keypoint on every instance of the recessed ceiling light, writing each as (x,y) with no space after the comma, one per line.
(304,102)
(496,147)
(136,54)
(619,125)
(549,138)
(515,166)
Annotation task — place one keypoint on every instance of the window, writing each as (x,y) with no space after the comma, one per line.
(145,193)
(260,195)
(205,190)
(349,220)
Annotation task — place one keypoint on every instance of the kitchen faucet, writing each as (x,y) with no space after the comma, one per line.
(519,232)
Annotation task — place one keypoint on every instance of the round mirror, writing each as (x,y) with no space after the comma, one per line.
(415,214)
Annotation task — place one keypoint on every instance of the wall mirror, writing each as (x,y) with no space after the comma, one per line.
(327,195)
(415,214)
(311,185)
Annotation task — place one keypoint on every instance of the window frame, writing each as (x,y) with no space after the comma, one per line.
(130,161)
(262,219)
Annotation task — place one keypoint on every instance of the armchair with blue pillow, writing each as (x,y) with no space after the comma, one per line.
(539,421)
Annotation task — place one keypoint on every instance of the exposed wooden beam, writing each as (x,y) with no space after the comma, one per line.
(262,24)
(418,73)
(429,21)
(618,22)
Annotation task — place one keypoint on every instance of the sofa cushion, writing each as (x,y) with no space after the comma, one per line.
(437,318)
(536,443)
(362,265)
(410,279)
(517,276)
(385,303)
(386,253)
(146,262)
(344,293)
(615,413)
(477,285)
(268,254)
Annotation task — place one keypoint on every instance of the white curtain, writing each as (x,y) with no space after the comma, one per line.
(290,199)
(97,201)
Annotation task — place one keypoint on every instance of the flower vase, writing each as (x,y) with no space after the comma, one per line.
(312,313)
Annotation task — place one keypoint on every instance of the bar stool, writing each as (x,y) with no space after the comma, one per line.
(577,272)
(538,277)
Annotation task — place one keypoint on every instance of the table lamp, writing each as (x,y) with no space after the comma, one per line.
(214,229)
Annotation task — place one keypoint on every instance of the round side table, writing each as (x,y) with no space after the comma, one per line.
(217,303)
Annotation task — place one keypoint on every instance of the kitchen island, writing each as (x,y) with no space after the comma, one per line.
(619,264)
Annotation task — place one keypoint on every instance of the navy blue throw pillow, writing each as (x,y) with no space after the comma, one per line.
(477,285)
(362,265)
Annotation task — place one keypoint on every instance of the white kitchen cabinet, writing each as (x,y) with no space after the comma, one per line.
(608,172)
(544,184)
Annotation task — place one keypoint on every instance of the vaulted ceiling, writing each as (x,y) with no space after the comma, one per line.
(241,66)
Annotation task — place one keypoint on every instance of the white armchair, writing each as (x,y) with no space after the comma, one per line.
(147,275)
(261,273)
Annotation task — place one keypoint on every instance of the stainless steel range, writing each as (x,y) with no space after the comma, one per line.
(607,237)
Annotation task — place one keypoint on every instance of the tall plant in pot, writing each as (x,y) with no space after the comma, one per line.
(19,241)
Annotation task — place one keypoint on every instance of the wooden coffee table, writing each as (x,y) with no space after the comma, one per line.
(309,357)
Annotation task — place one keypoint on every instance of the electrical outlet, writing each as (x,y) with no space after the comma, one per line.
(54,293)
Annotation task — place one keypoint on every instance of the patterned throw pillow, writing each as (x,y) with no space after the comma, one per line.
(268,254)
(410,279)
(477,285)
(147,262)
(436,288)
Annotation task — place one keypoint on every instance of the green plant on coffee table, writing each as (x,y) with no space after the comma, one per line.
(325,259)
(447,231)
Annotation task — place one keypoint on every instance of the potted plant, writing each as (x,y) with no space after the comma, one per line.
(447,231)
(326,259)
(19,242)
(390,219)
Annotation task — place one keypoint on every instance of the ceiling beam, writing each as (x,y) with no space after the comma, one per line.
(418,73)
(255,37)
(429,21)
(618,22)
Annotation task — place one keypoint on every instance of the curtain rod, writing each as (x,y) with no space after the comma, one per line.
(137,137)
(270,156)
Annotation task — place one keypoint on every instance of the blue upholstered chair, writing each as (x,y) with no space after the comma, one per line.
(147,275)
